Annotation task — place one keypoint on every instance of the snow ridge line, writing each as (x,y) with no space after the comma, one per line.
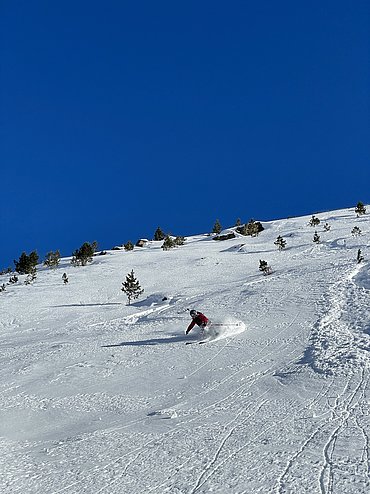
(338,343)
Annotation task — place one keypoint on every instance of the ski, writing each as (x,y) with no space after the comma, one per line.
(194,342)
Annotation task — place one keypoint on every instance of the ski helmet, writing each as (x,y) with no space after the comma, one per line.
(193,313)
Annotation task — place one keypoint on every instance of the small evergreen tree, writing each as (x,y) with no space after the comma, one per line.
(2,287)
(84,254)
(217,228)
(158,234)
(65,278)
(316,238)
(13,279)
(360,209)
(52,259)
(128,246)
(131,287)
(168,243)
(280,242)
(356,231)
(264,267)
(26,264)
(238,222)
(179,240)
(30,278)
(6,271)
(326,227)
(360,257)
(314,221)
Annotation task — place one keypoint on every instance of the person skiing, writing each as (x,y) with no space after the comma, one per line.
(198,319)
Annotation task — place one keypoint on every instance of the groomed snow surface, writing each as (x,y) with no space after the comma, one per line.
(99,397)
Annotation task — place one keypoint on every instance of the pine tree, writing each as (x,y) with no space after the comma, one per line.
(131,287)
(316,238)
(84,254)
(356,231)
(179,240)
(52,259)
(128,246)
(31,277)
(65,278)
(360,208)
(2,287)
(13,279)
(264,267)
(26,264)
(168,243)
(217,228)
(158,234)
(326,227)
(314,221)
(280,242)
(238,222)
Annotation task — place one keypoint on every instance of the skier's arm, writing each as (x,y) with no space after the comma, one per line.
(191,326)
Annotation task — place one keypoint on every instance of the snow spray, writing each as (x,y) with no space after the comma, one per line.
(225,327)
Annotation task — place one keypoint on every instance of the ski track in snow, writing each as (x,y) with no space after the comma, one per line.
(113,401)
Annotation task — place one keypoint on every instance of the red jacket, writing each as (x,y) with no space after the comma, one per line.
(201,320)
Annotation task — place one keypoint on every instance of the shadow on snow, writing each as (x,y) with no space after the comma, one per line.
(152,341)
(87,305)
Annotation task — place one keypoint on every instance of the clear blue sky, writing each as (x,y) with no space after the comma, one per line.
(117,116)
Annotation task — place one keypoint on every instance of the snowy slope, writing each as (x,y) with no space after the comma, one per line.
(101,397)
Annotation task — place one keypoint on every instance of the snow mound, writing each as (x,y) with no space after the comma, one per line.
(154,300)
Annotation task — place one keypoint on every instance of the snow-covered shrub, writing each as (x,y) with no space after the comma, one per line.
(264,267)
(168,243)
(314,221)
(52,259)
(226,236)
(179,240)
(30,278)
(128,246)
(356,231)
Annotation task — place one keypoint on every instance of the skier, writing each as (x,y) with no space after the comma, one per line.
(199,319)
